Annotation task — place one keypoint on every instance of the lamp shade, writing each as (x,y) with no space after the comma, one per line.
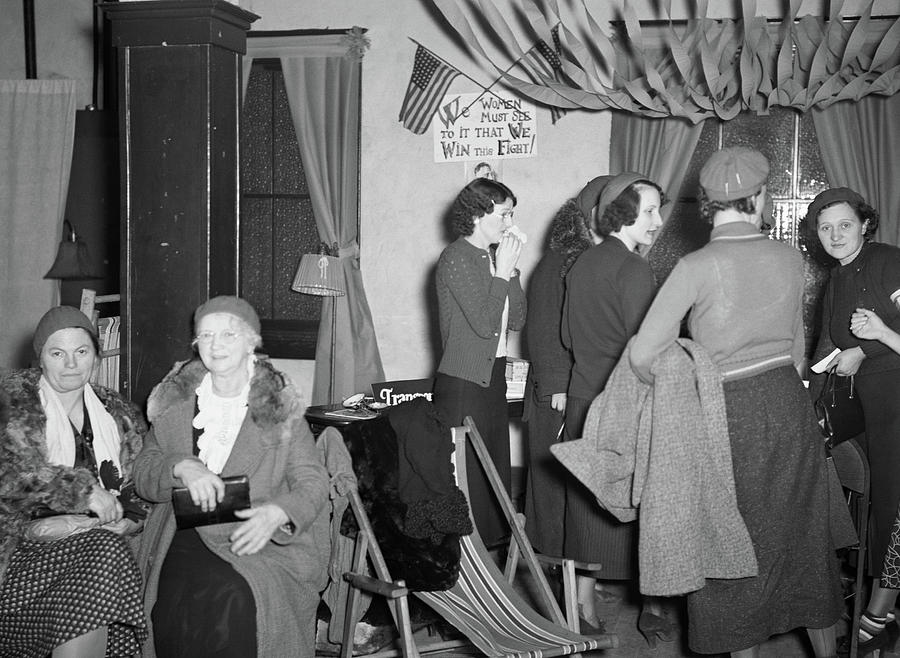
(72,258)
(319,274)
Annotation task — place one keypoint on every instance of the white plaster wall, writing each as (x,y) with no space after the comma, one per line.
(404,193)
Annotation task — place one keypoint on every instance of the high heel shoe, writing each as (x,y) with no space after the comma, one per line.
(655,627)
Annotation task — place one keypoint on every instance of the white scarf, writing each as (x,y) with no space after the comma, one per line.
(60,437)
(220,419)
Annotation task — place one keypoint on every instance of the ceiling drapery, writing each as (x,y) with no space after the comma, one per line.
(696,68)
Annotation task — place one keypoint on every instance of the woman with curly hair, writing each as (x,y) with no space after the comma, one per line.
(865,275)
(480,298)
(608,290)
(548,377)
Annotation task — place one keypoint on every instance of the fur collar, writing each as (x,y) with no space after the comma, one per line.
(272,397)
(27,414)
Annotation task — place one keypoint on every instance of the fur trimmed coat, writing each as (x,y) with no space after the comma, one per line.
(27,480)
(276,449)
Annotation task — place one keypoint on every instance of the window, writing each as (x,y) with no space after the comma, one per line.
(277,221)
(796,174)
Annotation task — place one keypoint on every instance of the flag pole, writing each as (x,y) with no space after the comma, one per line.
(488,88)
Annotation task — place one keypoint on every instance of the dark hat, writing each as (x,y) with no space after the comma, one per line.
(734,172)
(830,197)
(228,304)
(60,317)
(603,190)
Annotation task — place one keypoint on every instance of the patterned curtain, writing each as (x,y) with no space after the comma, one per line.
(322,76)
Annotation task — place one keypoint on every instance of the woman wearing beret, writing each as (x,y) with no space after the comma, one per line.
(248,588)
(69,583)
(608,290)
(865,275)
(480,299)
(744,295)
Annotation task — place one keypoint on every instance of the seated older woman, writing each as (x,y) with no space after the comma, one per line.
(69,583)
(247,588)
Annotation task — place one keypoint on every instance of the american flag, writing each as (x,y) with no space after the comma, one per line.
(542,62)
(427,86)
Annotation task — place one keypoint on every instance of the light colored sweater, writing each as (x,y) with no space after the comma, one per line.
(745,297)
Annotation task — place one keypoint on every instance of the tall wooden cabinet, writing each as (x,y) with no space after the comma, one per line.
(178,71)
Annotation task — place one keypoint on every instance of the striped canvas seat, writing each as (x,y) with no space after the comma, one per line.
(485,607)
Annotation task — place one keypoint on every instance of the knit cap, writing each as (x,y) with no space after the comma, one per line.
(60,317)
(733,173)
(229,304)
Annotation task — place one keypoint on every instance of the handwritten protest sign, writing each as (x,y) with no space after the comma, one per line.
(494,127)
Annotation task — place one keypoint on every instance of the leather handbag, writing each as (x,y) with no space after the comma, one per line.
(839,410)
(189,515)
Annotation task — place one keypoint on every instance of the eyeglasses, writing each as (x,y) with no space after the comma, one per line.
(226,337)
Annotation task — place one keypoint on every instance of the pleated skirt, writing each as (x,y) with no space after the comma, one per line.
(591,533)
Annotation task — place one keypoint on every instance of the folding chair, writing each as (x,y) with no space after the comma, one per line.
(853,472)
(482,605)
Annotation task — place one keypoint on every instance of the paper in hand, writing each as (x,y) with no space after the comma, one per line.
(819,367)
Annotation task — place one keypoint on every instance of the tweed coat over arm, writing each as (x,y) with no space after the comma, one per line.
(665,450)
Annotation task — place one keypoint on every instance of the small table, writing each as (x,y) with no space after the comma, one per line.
(318,418)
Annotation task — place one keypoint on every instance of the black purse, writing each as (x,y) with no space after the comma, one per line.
(839,410)
(189,515)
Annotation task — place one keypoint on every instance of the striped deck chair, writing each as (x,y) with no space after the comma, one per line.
(483,605)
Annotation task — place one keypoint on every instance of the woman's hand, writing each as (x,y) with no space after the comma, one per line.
(847,362)
(867,325)
(558,402)
(104,505)
(206,488)
(508,250)
(254,533)
(124,527)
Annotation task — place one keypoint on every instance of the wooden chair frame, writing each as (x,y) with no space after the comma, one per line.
(396,592)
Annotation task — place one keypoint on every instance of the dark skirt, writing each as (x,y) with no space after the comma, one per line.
(591,533)
(879,393)
(457,398)
(203,606)
(54,592)
(545,490)
(781,484)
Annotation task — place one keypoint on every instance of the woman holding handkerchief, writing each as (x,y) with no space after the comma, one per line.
(865,276)
(251,587)
(480,299)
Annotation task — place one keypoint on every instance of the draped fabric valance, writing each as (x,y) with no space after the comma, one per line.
(696,68)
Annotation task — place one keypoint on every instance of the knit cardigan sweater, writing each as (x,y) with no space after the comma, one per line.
(276,449)
(665,449)
(27,480)
(470,307)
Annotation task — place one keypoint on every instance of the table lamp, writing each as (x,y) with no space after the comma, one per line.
(321,275)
